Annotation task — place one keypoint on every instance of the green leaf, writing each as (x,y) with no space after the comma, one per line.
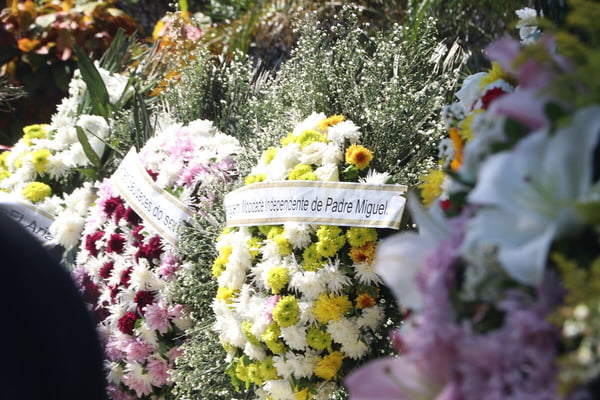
(350,173)
(141,118)
(96,88)
(87,148)
(590,212)
(110,60)
(89,173)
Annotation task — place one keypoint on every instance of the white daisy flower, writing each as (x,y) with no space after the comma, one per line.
(365,273)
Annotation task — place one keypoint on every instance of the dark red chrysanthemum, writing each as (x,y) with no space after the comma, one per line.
(119,213)
(106,269)
(143,298)
(101,313)
(137,235)
(125,277)
(445,204)
(152,250)
(152,174)
(90,291)
(127,322)
(490,96)
(115,244)
(132,217)
(114,290)
(90,242)
(111,204)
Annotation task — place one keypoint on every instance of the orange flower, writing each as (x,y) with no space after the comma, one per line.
(364,300)
(333,120)
(457,141)
(363,254)
(359,156)
(26,45)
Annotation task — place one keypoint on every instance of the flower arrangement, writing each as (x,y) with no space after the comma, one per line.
(49,160)
(125,264)
(297,304)
(501,278)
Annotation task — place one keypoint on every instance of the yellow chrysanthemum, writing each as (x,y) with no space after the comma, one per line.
(312,261)
(254,244)
(273,231)
(329,247)
(302,172)
(464,128)
(358,236)
(290,138)
(226,294)
(4,174)
(268,370)
(330,232)
(365,300)
(359,156)
(250,179)
(3,157)
(254,375)
(284,245)
(39,159)
(327,122)
(270,154)
(329,307)
(363,254)
(246,330)
(271,334)
(301,394)
(241,371)
(431,188)
(328,366)
(308,137)
(286,312)
(277,279)
(494,74)
(36,191)
(36,131)
(318,339)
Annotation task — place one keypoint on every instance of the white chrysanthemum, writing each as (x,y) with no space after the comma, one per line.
(365,273)
(345,130)
(283,162)
(297,234)
(120,265)
(115,372)
(255,352)
(307,317)
(74,156)
(271,250)
(67,228)
(225,145)
(336,280)
(81,199)
(279,389)
(326,390)
(169,173)
(147,334)
(328,173)
(201,127)
(302,365)
(56,167)
(248,305)
(96,130)
(333,154)
(260,325)
(64,137)
(295,337)
(284,369)
(313,153)
(344,330)
(233,277)
(126,297)
(310,123)
(136,377)
(370,317)
(142,278)
(226,323)
(374,177)
(355,350)
(308,283)
(116,311)
(115,83)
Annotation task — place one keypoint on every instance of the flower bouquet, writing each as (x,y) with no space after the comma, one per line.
(130,250)
(501,279)
(299,304)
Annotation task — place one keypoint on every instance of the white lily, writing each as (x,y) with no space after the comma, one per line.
(527,195)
